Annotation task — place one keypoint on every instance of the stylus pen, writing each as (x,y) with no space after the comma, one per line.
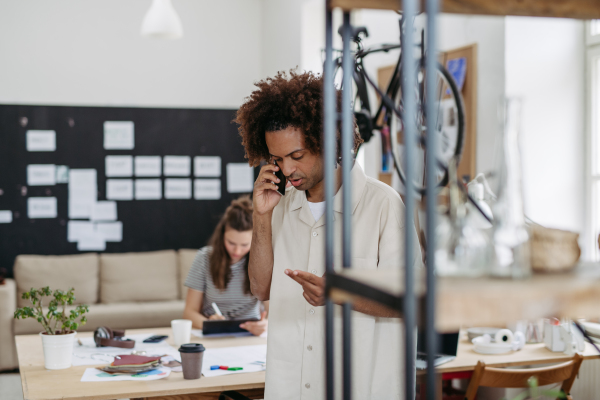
(216,308)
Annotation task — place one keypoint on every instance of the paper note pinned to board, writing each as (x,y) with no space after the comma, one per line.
(148,189)
(77,230)
(148,165)
(38,140)
(119,135)
(62,174)
(83,192)
(177,166)
(104,211)
(207,166)
(119,189)
(178,188)
(240,178)
(110,231)
(119,166)
(41,175)
(207,189)
(41,207)
(92,243)
(6,216)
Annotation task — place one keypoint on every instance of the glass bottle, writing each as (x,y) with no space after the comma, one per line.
(510,232)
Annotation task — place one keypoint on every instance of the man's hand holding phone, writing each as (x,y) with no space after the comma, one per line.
(266,195)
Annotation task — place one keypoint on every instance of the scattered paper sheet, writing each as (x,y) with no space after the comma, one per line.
(250,358)
(178,188)
(104,211)
(197,332)
(83,192)
(177,166)
(148,189)
(119,166)
(5,216)
(207,166)
(92,243)
(207,189)
(88,354)
(240,178)
(118,135)
(147,165)
(119,189)
(41,140)
(95,375)
(110,231)
(62,174)
(78,230)
(41,207)
(41,175)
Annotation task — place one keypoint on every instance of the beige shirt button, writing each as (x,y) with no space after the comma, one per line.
(315,234)
(307,385)
(314,271)
(309,347)
(311,311)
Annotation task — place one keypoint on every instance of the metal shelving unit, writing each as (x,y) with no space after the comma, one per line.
(572,295)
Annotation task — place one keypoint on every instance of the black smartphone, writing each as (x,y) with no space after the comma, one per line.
(155,339)
(282,180)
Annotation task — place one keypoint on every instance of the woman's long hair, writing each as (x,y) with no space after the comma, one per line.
(237,216)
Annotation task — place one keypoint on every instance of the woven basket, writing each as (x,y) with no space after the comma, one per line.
(553,250)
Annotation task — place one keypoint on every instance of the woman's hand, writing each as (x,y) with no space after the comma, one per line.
(257,328)
(216,317)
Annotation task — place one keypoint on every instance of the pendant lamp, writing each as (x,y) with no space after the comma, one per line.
(161,21)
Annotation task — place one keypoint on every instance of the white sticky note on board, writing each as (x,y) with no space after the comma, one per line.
(41,207)
(148,165)
(178,188)
(118,166)
(37,140)
(148,189)
(207,189)
(80,209)
(177,166)
(62,174)
(240,178)
(207,166)
(6,216)
(110,231)
(104,211)
(77,230)
(119,189)
(119,135)
(91,243)
(41,175)
(83,192)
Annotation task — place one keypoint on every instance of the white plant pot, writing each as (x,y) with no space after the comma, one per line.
(58,350)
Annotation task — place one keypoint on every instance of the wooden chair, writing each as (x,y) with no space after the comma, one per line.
(517,378)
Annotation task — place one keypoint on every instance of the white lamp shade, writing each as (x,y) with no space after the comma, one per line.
(162,21)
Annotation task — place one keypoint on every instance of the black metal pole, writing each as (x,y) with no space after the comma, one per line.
(410,112)
(329,115)
(432,7)
(347,161)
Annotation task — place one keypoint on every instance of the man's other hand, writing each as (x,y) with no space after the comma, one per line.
(314,286)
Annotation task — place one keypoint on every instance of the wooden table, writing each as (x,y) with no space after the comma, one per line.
(39,383)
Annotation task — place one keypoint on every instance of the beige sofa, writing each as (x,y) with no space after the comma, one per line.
(124,291)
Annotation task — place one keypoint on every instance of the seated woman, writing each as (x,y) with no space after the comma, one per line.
(219,273)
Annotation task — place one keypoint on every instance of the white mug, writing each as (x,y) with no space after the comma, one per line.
(182,330)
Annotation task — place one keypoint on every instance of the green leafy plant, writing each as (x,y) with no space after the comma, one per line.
(534,392)
(56,321)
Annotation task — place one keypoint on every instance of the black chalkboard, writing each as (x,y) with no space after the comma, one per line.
(147,225)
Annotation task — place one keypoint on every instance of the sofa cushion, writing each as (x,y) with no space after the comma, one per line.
(148,276)
(79,271)
(118,316)
(186,257)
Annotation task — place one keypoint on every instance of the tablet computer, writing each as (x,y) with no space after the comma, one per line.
(220,327)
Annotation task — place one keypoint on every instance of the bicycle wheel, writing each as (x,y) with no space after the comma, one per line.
(448,124)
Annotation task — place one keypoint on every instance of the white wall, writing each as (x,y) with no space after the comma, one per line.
(91,53)
(281,36)
(545,67)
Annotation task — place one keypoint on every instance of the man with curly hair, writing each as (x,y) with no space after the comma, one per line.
(282,123)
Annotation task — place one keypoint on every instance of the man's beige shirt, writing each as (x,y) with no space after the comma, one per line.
(296,340)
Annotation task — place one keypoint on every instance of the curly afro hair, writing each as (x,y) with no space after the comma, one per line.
(281,102)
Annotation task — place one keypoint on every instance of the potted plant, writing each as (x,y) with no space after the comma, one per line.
(59,324)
